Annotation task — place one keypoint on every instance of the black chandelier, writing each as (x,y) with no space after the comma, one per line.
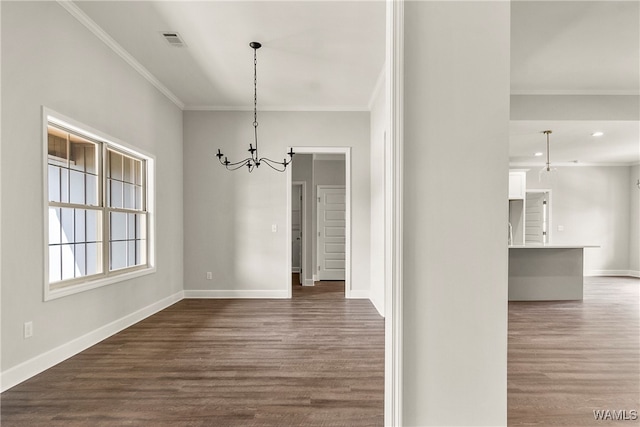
(254,161)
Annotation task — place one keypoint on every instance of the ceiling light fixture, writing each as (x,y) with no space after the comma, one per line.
(547,173)
(538,154)
(254,161)
(597,133)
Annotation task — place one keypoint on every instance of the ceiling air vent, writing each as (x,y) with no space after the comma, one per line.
(173,39)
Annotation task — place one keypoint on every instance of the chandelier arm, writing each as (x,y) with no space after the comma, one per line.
(275,168)
(235,168)
(241,163)
(272,163)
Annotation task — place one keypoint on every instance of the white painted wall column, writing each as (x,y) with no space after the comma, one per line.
(456,116)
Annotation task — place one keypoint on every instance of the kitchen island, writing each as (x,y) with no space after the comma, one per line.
(546,272)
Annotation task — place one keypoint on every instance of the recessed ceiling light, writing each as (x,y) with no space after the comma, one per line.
(538,154)
(597,133)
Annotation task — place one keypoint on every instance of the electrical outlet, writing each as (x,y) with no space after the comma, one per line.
(274,228)
(561,228)
(209,275)
(28,329)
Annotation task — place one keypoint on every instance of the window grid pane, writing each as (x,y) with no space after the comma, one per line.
(74,235)
(127,240)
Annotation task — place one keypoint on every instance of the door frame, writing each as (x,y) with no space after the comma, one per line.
(346,151)
(393,299)
(303,227)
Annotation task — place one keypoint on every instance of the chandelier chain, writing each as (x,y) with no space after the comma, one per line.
(255,88)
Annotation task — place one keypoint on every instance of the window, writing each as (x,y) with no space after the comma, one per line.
(97,210)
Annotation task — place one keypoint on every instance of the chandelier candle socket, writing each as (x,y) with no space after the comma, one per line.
(254,160)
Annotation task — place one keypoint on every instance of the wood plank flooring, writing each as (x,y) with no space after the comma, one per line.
(314,360)
(318,360)
(567,359)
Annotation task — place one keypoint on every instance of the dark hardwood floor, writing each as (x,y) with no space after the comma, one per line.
(318,360)
(567,359)
(314,360)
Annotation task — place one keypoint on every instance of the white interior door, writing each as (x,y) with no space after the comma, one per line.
(296,229)
(535,231)
(331,233)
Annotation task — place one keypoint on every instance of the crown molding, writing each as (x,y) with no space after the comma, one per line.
(330,108)
(85,20)
(571,164)
(576,92)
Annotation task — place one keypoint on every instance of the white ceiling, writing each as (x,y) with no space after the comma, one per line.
(316,55)
(575,48)
(328,55)
(571,142)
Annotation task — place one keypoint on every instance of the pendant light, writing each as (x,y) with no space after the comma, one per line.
(254,160)
(547,173)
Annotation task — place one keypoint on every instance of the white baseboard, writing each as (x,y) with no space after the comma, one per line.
(377,304)
(308,282)
(315,278)
(295,269)
(241,293)
(22,372)
(359,294)
(596,273)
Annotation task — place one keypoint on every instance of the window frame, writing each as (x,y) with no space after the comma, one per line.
(54,290)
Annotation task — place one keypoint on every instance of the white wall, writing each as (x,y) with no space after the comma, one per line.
(50,59)
(228,215)
(592,204)
(455,209)
(575,107)
(634,221)
(329,172)
(378,128)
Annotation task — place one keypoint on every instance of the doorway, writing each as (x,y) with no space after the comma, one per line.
(309,257)
(330,248)
(537,228)
(298,229)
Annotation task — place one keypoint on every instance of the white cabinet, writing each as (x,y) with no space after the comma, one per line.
(517,185)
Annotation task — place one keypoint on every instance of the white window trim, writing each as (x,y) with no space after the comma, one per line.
(107,278)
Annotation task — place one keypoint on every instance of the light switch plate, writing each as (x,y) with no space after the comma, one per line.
(28,329)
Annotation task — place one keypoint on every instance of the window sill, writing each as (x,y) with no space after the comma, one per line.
(93,284)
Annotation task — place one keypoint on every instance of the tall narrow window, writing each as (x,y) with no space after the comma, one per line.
(126,207)
(98,225)
(75,214)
